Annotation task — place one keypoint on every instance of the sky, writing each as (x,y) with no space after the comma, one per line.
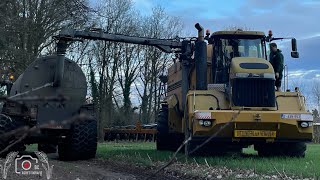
(286,18)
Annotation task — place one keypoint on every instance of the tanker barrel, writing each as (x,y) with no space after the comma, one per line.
(59,72)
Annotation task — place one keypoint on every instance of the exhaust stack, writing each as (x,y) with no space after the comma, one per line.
(201,59)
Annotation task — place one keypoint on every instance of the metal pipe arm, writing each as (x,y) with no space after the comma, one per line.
(165,45)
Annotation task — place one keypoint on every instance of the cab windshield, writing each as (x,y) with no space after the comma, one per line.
(231,48)
(226,48)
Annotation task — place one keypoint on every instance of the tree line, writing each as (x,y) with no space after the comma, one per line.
(123,79)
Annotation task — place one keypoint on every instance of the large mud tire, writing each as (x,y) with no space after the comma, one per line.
(297,149)
(293,149)
(81,143)
(162,129)
(167,140)
(7,125)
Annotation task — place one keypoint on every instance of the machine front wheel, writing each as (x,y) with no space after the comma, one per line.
(292,149)
(162,129)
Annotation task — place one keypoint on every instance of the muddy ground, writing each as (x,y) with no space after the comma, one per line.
(94,169)
(101,169)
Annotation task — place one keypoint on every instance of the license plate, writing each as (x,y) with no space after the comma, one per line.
(255,133)
(290,116)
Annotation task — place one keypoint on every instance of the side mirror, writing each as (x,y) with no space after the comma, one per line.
(294,44)
(294,53)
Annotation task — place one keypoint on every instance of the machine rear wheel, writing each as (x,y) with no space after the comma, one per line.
(81,142)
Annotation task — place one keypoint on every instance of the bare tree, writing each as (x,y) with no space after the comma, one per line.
(316,92)
(26,27)
(127,74)
(299,83)
(158,25)
(316,95)
(114,17)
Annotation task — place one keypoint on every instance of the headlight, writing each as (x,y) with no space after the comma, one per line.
(304,124)
(207,123)
(201,122)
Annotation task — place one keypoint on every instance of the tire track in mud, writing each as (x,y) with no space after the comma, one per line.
(94,169)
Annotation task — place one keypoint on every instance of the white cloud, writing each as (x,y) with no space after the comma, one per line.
(302,73)
(304,79)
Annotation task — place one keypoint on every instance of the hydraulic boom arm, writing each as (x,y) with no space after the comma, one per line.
(183,47)
(165,45)
(69,35)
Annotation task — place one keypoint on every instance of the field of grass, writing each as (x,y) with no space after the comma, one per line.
(145,154)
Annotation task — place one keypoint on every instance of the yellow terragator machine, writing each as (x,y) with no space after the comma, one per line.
(226,92)
(221,94)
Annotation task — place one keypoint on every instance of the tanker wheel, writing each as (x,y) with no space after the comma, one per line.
(81,142)
(6,125)
(47,148)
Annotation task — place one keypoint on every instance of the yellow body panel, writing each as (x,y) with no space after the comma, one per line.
(235,65)
(290,101)
(247,119)
(252,122)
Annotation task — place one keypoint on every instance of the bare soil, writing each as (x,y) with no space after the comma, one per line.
(102,169)
(94,169)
